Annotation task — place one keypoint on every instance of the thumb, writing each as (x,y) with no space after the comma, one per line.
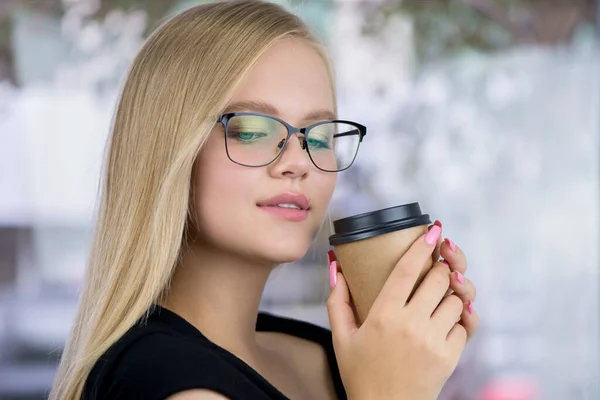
(341,314)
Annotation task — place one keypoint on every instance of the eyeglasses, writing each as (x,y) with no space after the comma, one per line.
(257,140)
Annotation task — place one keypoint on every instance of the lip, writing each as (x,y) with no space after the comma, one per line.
(287,198)
(289,214)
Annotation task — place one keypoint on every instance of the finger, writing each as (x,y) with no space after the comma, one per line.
(341,315)
(436,252)
(448,313)
(449,291)
(331,257)
(469,319)
(403,278)
(432,290)
(457,338)
(462,287)
(454,256)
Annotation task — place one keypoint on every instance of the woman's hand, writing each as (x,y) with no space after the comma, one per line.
(404,350)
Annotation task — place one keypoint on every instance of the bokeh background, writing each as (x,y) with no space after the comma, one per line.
(487,112)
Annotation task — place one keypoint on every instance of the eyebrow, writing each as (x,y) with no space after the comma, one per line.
(266,108)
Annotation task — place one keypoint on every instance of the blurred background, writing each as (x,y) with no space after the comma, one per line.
(487,112)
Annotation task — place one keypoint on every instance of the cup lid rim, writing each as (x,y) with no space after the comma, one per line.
(379,229)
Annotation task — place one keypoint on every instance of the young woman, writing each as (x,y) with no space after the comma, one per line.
(222,162)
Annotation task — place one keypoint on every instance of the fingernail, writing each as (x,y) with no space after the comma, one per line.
(451,244)
(333,274)
(330,257)
(459,277)
(436,223)
(470,307)
(433,235)
(446,262)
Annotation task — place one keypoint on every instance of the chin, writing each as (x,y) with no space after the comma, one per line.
(286,251)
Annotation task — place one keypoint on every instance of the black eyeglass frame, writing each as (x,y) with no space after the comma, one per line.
(362,131)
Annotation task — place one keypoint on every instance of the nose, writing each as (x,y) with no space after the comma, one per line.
(294,161)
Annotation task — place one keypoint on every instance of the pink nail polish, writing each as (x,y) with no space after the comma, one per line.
(332,274)
(432,236)
(459,277)
(470,307)
(450,244)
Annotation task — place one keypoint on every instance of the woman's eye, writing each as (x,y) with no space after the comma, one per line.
(317,144)
(247,136)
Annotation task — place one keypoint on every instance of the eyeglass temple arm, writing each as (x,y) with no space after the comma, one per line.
(349,133)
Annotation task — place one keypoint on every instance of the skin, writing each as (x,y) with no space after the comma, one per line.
(427,333)
(220,282)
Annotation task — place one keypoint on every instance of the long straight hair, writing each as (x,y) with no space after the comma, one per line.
(182,78)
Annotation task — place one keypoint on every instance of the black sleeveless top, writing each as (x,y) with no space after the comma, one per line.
(168,355)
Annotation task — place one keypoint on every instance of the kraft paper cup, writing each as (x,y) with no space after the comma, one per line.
(368,247)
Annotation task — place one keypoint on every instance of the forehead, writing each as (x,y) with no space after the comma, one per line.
(291,77)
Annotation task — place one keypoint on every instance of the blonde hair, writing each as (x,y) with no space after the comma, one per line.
(177,85)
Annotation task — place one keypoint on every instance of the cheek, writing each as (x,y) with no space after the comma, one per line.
(220,189)
(324,190)
(222,194)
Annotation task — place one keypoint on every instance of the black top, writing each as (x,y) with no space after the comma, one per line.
(169,355)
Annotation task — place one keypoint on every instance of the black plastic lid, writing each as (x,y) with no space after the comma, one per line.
(374,223)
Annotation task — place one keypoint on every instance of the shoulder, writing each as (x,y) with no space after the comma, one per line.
(157,364)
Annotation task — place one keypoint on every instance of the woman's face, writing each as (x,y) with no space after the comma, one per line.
(290,82)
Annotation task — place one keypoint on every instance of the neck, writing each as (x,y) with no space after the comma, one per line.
(220,294)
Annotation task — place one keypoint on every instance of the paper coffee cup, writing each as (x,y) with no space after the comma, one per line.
(368,247)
